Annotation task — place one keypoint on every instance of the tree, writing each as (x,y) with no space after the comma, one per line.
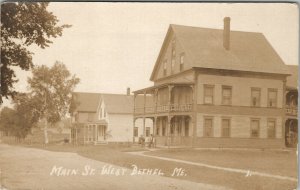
(51,89)
(23,24)
(18,121)
(7,120)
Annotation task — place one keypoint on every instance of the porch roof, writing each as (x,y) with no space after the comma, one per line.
(292,81)
(151,88)
(98,122)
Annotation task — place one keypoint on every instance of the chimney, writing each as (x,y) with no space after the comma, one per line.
(128,91)
(226,33)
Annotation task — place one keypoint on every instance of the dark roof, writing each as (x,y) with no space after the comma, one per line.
(292,81)
(114,103)
(249,51)
(86,102)
(118,103)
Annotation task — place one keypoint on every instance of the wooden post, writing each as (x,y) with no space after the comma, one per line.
(144,127)
(134,97)
(194,109)
(96,132)
(169,131)
(155,100)
(154,131)
(170,96)
(144,119)
(84,134)
(133,137)
(284,111)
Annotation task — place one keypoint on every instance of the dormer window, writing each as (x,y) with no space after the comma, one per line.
(181,61)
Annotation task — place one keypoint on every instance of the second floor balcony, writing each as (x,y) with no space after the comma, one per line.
(164,108)
(164,98)
(291,110)
(291,103)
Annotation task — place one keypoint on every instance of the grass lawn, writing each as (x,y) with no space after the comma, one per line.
(267,161)
(272,162)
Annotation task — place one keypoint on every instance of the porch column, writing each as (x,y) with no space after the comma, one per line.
(154,126)
(144,126)
(168,130)
(194,109)
(133,137)
(84,133)
(155,100)
(96,132)
(170,96)
(144,119)
(134,98)
(284,112)
(193,122)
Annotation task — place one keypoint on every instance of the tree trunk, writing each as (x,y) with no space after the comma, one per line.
(46,132)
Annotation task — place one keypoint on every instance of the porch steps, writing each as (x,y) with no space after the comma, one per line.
(100,143)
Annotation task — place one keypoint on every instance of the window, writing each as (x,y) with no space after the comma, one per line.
(226,95)
(255,97)
(181,61)
(173,52)
(157,129)
(76,117)
(164,123)
(165,67)
(172,129)
(208,94)
(136,132)
(225,127)
(208,127)
(186,128)
(90,116)
(271,128)
(147,131)
(100,114)
(272,97)
(172,65)
(104,113)
(254,128)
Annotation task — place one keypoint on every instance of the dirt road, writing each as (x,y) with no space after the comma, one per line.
(28,168)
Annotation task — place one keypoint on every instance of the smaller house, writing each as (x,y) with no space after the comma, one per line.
(101,118)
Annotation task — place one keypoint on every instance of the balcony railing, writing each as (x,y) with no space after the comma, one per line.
(165,108)
(291,111)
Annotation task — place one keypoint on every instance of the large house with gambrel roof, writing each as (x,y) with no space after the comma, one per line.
(216,88)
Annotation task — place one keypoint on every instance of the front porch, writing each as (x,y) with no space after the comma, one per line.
(171,108)
(174,130)
(89,133)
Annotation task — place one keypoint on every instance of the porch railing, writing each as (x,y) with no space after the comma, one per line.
(291,110)
(165,108)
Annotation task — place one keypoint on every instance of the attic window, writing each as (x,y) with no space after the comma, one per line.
(172,65)
(181,61)
(173,56)
(165,67)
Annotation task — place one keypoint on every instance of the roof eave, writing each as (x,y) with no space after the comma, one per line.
(160,54)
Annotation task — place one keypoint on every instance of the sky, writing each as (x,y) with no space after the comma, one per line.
(112,46)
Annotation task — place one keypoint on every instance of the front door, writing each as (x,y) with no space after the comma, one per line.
(291,133)
(101,132)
